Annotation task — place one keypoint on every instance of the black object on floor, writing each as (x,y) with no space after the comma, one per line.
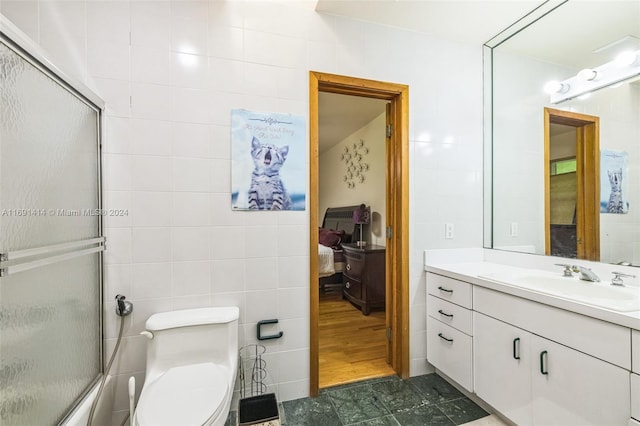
(258,409)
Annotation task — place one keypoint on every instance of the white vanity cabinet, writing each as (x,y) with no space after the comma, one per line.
(449,328)
(635,375)
(533,380)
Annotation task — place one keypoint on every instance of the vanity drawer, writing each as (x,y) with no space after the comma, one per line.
(604,340)
(448,313)
(449,350)
(454,291)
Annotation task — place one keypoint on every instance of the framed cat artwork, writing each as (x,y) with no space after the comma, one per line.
(614,181)
(268,167)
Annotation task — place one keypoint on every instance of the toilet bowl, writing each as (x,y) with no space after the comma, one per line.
(192,358)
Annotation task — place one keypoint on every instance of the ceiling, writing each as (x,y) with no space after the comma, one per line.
(341,115)
(465,21)
(470,21)
(595,29)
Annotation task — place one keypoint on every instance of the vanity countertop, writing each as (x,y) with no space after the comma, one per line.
(472,272)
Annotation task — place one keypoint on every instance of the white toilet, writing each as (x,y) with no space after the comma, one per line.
(192,358)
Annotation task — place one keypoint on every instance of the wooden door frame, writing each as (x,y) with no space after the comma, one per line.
(397,253)
(587,176)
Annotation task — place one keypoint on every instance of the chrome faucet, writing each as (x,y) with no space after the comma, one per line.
(617,279)
(586,274)
(568,269)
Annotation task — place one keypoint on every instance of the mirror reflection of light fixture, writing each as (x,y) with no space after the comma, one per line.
(626,58)
(587,74)
(625,66)
(555,87)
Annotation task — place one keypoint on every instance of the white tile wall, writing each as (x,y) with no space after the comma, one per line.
(150,137)
(167,152)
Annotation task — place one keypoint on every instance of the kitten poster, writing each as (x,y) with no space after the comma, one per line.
(614,181)
(268,161)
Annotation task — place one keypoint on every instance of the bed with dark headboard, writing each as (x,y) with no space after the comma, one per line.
(339,219)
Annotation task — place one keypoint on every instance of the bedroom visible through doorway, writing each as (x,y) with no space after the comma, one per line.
(352,336)
(374,282)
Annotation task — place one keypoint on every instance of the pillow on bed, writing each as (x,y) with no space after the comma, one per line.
(330,237)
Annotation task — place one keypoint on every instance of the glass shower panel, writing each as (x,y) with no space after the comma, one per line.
(50,290)
(48,167)
(50,340)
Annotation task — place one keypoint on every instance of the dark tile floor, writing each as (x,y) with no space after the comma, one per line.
(422,400)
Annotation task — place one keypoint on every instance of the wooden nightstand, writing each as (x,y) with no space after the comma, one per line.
(364,276)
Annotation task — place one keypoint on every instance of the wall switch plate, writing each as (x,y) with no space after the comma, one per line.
(448,231)
(513,229)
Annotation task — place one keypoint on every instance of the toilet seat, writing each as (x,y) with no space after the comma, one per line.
(186,395)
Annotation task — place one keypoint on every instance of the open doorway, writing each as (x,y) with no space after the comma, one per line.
(352,140)
(396,302)
(572,184)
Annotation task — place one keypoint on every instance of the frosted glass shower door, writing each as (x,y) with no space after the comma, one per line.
(50,243)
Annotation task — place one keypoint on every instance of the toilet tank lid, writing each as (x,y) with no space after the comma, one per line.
(189,317)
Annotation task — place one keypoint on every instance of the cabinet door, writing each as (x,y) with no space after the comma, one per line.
(572,388)
(502,367)
(635,396)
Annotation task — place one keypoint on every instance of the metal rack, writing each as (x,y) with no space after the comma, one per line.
(252,370)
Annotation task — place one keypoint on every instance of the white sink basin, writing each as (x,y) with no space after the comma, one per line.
(602,294)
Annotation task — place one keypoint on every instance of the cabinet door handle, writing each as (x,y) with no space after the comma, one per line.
(441,312)
(516,348)
(348,267)
(348,284)
(444,338)
(543,368)
(445,289)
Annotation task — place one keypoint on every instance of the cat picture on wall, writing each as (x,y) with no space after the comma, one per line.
(613,195)
(616,205)
(267,192)
(268,161)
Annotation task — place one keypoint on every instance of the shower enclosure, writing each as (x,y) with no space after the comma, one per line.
(50,237)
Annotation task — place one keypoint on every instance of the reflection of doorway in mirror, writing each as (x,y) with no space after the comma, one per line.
(563,191)
(572,198)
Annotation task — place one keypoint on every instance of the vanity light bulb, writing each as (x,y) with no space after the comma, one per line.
(555,87)
(626,59)
(587,74)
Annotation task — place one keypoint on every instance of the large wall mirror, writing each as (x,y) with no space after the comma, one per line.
(562,137)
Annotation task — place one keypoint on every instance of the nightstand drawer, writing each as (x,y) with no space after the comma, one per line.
(353,287)
(354,265)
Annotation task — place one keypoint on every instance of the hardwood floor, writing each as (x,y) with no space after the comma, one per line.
(352,345)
